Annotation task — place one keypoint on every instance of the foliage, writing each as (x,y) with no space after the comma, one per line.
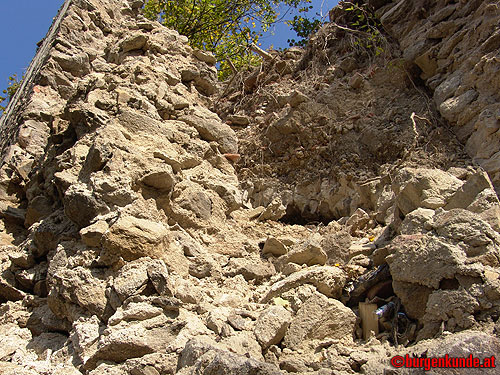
(303,27)
(11,89)
(224,27)
(366,21)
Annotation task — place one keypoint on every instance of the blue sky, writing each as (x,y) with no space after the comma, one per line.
(24,22)
(281,32)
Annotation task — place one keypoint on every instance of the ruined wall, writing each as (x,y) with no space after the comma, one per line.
(455,45)
(133,241)
(9,120)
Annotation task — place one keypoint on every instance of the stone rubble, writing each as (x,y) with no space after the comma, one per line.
(133,243)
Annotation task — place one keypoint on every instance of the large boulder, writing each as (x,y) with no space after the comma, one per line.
(271,326)
(131,238)
(320,318)
(426,188)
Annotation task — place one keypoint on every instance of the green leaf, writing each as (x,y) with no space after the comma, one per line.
(224,27)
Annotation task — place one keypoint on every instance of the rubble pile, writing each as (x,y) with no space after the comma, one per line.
(143,233)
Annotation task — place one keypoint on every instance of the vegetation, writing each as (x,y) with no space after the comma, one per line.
(303,27)
(227,28)
(11,89)
(366,21)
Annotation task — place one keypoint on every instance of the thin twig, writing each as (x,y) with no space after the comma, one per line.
(351,30)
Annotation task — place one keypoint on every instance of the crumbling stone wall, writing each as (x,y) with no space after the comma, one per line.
(10,118)
(129,245)
(455,46)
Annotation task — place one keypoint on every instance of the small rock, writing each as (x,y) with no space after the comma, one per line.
(297,98)
(356,81)
(158,275)
(133,42)
(309,253)
(274,211)
(248,214)
(135,311)
(327,280)
(360,249)
(275,247)
(161,179)
(92,234)
(357,221)
(21,259)
(232,157)
(239,120)
(189,74)
(319,318)
(132,278)
(38,208)
(349,64)
(251,269)
(427,188)
(205,56)
(271,326)
(237,321)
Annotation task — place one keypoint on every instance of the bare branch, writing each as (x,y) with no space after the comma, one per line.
(261,52)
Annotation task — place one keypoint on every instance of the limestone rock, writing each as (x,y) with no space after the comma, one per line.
(81,205)
(458,314)
(134,311)
(456,92)
(211,128)
(214,361)
(417,221)
(84,337)
(424,260)
(462,225)
(462,345)
(328,280)
(251,269)
(80,286)
(320,318)
(92,234)
(426,188)
(161,179)
(13,338)
(131,238)
(414,297)
(243,343)
(133,42)
(356,81)
(239,120)
(274,246)
(127,239)
(177,158)
(271,326)
(296,98)
(205,57)
(132,278)
(274,211)
(158,275)
(451,108)
(8,290)
(357,221)
(310,253)
(76,64)
(132,340)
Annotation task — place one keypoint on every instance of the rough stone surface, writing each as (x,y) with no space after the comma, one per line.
(271,326)
(155,221)
(320,318)
(459,69)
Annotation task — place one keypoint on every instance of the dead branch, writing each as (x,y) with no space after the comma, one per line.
(261,52)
